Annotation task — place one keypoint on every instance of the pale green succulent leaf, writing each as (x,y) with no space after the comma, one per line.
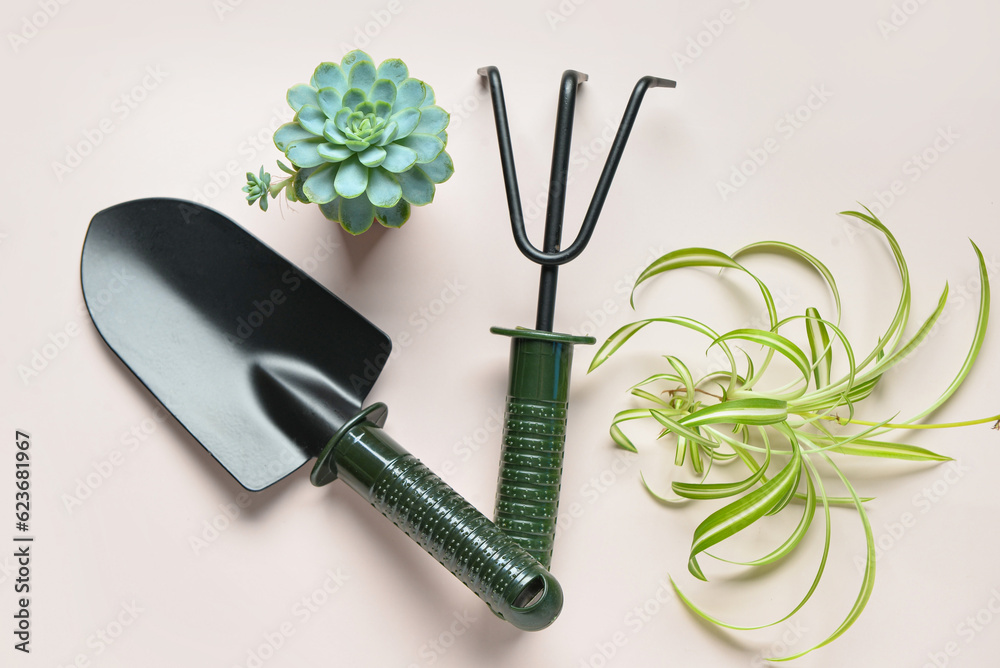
(300,95)
(334,152)
(409,93)
(288,133)
(405,120)
(394,70)
(352,179)
(383,110)
(427,147)
(354,98)
(318,187)
(333,133)
(372,157)
(304,153)
(362,75)
(331,209)
(357,214)
(383,90)
(298,180)
(342,119)
(393,216)
(352,57)
(330,101)
(357,145)
(417,188)
(330,75)
(311,118)
(428,96)
(399,158)
(433,119)
(388,134)
(383,189)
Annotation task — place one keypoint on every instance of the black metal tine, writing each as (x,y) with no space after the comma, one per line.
(560,158)
(492,75)
(611,164)
(556,207)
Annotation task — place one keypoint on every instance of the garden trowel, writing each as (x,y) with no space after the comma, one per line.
(267,369)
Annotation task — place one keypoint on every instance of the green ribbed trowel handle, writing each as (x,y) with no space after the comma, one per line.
(534,437)
(514,585)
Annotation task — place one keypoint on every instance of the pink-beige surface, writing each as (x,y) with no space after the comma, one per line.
(147,553)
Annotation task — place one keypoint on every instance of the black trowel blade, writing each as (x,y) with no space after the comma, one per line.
(260,363)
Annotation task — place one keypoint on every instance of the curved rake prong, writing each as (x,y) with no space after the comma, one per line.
(492,75)
(556,206)
(611,164)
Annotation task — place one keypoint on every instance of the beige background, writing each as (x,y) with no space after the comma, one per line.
(180,98)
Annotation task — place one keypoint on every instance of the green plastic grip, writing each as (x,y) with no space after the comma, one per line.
(534,437)
(511,582)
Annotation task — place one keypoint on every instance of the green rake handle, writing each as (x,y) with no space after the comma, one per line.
(534,437)
(508,579)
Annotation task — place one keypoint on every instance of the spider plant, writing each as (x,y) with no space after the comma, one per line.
(787,436)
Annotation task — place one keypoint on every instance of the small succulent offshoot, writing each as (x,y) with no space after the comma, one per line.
(366,143)
(257,188)
(785,436)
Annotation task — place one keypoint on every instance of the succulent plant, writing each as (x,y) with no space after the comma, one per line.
(257,188)
(366,143)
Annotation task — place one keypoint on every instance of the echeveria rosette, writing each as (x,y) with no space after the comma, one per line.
(257,188)
(368,142)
